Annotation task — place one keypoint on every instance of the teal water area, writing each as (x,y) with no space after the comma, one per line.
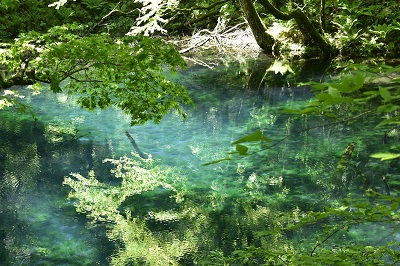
(39,224)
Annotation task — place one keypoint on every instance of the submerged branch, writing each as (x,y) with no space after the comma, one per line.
(135,146)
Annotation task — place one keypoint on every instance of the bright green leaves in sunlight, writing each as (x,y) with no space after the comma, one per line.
(353,216)
(152,16)
(126,72)
(386,95)
(385,156)
(369,90)
(256,137)
(350,82)
(352,90)
(330,94)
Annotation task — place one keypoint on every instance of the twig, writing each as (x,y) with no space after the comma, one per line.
(111,12)
(385,182)
(194,46)
(327,238)
(199,62)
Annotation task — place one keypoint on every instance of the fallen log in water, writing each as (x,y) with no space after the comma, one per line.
(135,146)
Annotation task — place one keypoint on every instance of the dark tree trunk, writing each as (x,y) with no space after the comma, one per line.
(309,32)
(305,24)
(263,39)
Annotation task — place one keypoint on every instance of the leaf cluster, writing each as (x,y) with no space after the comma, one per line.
(126,72)
(360,90)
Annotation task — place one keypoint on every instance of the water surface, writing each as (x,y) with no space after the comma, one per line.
(39,224)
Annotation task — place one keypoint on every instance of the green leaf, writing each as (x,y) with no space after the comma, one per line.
(256,136)
(242,149)
(393,120)
(217,161)
(334,92)
(315,85)
(388,108)
(324,97)
(385,156)
(350,82)
(55,87)
(384,92)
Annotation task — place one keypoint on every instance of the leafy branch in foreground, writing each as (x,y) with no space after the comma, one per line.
(376,218)
(360,89)
(127,72)
(363,90)
(377,209)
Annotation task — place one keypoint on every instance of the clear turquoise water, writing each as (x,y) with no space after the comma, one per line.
(39,225)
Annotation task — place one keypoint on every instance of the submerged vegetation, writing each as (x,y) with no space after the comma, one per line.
(269,209)
(309,181)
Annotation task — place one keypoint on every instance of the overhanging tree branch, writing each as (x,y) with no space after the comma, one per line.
(274,11)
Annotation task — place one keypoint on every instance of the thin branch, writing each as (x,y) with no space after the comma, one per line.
(327,238)
(113,11)
(286,263)
(198,44)
(395,262)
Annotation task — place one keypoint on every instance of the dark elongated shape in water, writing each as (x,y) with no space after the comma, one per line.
(135,146)
(340,180)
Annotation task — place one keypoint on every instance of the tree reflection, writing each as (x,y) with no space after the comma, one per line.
(36,221)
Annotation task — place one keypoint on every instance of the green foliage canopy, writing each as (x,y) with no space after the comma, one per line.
(127,72)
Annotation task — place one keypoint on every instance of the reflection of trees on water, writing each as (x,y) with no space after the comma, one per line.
(20,160)
(31,170)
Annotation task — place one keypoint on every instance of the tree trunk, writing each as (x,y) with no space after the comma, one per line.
(263,39)
(307,29)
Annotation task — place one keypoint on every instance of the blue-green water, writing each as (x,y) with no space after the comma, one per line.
(39,224)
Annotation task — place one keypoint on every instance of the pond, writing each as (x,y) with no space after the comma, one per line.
(195,214)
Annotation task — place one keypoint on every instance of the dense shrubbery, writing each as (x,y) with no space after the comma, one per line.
(351,27)
(34,15)
(18,17)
